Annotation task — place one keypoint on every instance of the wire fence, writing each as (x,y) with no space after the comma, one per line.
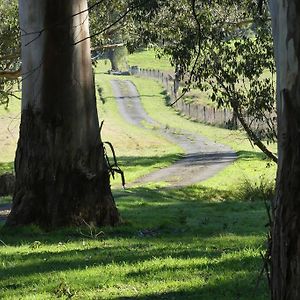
(201,113)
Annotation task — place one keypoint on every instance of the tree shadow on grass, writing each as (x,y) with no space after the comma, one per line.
(191,211)
(252,155)
(128,97)
(147,161)
(139,269)
(80,259)
(230,278)
(196,226)
(236,288)
(194,210)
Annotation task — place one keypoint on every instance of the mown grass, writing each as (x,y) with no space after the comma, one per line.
(147,59)
(198,242)
(178,244)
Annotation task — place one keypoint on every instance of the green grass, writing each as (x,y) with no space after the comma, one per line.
(199,97)
(147,59)
(174,245)
(198,242)
(6,167)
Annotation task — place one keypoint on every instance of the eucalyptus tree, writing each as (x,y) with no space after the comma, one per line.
(285,254)
(61,174)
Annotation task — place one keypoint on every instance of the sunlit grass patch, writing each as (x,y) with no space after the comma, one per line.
(6,167)
(147,59)
(171,247)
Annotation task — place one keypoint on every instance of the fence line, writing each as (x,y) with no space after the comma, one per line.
(197,112)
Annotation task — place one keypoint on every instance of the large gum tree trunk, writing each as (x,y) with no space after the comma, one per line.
(61,174)
(285,252)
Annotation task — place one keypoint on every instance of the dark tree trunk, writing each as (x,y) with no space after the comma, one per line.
(113,59)
(117,57)
(61,174)
(7,184)
(285,252)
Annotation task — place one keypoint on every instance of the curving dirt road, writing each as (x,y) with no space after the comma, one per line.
(203,158)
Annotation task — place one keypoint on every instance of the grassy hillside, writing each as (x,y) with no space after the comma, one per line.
(147,59)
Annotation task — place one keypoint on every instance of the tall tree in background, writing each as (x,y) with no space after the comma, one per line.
(286,234)
(61,174)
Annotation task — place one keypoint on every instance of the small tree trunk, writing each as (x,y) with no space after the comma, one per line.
(61,173)
(113,60)
(285,253)
(117,57)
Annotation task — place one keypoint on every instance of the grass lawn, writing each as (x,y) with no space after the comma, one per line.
(147,59)
(198,242)
(9,130)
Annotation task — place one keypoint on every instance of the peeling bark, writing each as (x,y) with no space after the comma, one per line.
(61,174)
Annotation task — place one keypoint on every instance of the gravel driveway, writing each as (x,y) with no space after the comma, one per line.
(203,158)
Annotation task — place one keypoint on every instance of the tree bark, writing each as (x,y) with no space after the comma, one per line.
(116,57)
(61,174)
(285,252)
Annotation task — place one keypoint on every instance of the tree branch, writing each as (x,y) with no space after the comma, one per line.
(193,4)
(243,22)
(100,47)
(253,136)
(39,33)
(10,74)
(109,26)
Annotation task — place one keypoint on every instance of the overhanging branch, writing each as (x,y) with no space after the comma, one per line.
(109,26)
(40,32)
(100,47)
(10,74)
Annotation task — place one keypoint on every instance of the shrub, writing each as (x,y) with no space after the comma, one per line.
(264,190)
